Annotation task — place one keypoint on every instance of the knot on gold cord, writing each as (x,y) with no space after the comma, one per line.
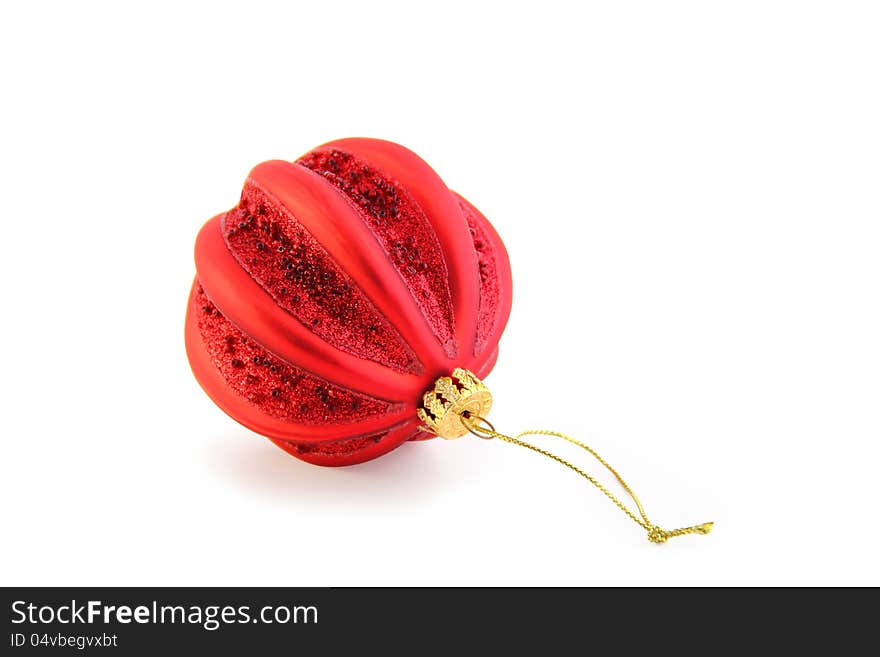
(657,534)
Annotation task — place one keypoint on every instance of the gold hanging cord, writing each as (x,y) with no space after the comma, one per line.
(483,428)
(457,405)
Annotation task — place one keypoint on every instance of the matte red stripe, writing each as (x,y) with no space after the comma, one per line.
(395,438)
(502,265)
(253,418)
(442,210)
(489,359)
(325,213)
(247,305)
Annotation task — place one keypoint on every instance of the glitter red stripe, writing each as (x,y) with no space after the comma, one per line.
(273,243)
(443,212)
(247,305)
(402,229)
(256,415)
(326,214)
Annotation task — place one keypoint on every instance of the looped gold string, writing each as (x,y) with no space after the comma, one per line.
(483,429)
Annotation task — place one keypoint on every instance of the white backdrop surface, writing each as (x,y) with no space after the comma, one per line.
(689,195)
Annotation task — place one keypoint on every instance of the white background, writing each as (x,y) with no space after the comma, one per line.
(689,195)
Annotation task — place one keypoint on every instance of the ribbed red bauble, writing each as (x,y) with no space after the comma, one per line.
(337,292)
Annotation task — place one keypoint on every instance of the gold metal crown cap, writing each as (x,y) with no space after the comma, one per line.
(443,405)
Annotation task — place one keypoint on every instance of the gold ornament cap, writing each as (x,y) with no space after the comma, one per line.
(442,407)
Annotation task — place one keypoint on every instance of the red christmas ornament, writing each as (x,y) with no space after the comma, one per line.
(337,292)
(351,302)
